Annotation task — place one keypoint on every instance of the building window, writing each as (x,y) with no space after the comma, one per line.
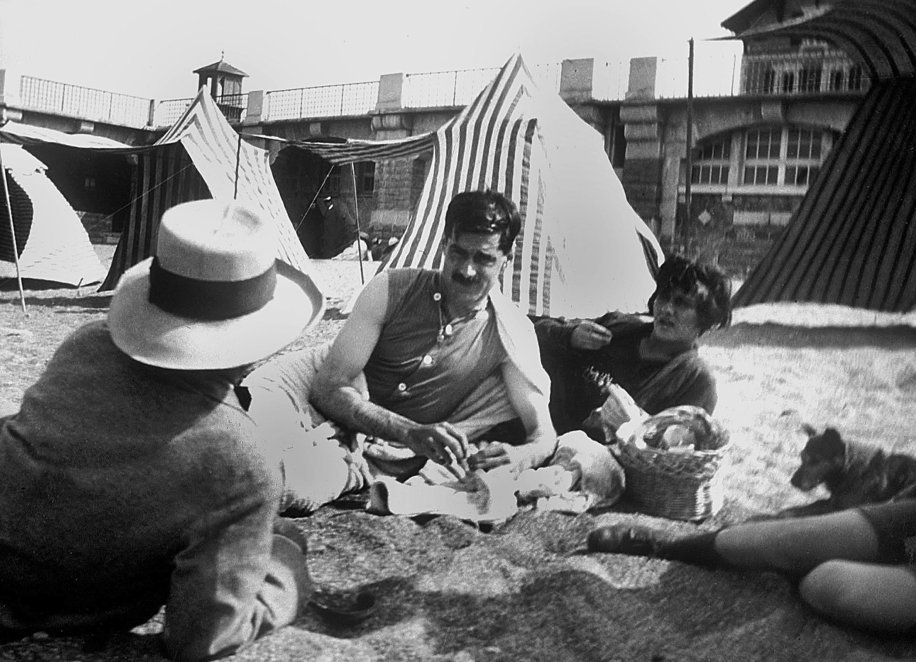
(855,77)
(789,156)
(803,156)
(711,163)
(788,82)
(365,177)
(809,79)
(761,157)
(769,81)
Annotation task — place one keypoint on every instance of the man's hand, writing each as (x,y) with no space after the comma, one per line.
(489,455)
(442,443)
(590,335)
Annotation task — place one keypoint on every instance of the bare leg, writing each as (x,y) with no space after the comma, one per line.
(865,595)
(798,545)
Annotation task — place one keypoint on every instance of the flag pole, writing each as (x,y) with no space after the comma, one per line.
(9,213)
(359,238)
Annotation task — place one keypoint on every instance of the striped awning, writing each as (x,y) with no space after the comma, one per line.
(879,34)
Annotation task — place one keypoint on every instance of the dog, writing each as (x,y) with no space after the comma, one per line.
(853,472)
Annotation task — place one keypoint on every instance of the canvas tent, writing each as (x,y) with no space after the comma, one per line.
(50,241)
(582,251)
(852,240)
(200,156)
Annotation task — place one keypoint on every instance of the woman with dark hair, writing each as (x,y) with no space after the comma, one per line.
(654,359)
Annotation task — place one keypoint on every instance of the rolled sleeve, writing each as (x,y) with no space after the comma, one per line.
(230,588)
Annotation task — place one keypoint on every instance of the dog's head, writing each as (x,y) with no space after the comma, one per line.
(822,458)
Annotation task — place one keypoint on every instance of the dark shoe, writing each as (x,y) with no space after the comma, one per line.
(624,539)
(344,610)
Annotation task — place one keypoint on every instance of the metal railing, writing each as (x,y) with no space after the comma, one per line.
(83,102)
(168,111)
(459,87)
(321,101)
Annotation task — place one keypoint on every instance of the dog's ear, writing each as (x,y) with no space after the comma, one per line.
(808,429)
(832,435)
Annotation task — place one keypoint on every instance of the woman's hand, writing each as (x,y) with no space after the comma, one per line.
(590,335)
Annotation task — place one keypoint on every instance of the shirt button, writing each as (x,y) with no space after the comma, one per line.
(437,297)
(427,360)
(402,387)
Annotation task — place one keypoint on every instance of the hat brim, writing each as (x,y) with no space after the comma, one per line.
(152,336)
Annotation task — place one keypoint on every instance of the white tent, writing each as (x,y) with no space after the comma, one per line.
(583,249)
(51,242)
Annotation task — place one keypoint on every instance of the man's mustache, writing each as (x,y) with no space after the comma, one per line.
(464,280)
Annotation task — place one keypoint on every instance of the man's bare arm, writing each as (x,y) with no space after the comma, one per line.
(337,394)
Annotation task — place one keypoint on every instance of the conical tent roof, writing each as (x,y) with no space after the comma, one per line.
(51,242)
(582,250)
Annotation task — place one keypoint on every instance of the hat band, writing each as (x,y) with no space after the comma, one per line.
(207,299)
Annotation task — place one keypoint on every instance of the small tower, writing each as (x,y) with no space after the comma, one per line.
(225,84)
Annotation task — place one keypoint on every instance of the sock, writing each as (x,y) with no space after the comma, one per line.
(697,549)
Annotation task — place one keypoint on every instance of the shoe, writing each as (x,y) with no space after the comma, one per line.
(624,539)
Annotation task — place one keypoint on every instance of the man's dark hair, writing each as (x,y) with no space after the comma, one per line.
(484,212)
(714,299)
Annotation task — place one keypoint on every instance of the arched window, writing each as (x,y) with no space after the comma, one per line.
(788,82)
(855,77)
(837,80)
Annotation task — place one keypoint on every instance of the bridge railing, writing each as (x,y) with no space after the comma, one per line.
(168,111)
(459,87)
(321,101)
(83,102)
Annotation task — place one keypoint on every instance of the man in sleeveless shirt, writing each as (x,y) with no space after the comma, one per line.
(426,366)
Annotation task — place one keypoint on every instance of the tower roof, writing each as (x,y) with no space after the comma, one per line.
(220,67)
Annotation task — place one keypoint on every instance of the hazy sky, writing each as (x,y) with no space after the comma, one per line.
(150,48)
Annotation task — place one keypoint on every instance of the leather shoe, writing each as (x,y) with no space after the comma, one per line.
(624,539)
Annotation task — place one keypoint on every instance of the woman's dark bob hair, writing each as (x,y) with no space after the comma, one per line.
(708,284)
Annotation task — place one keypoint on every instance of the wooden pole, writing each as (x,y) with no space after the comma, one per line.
(238,153)
(9,213)
(687,187)
(359,238)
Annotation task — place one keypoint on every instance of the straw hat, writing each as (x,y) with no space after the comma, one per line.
(214,296)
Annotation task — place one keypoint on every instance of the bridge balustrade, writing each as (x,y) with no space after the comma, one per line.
(83,102)
(321,101)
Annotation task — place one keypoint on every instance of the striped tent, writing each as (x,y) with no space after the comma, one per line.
(49,239)
(200,156)
(582,250)
(852,240)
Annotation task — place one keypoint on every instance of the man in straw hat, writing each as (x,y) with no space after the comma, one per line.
(131,477)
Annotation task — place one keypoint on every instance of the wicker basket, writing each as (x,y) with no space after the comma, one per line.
(683,485)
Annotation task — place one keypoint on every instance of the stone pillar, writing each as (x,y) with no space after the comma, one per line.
(393,177)
(390,92)
(644,160)
(577,80)
(254,110)
(9,90)
(643,71)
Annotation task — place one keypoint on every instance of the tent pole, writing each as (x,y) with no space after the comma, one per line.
(359,238)
(238,152)
(317,193)
(9,213)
